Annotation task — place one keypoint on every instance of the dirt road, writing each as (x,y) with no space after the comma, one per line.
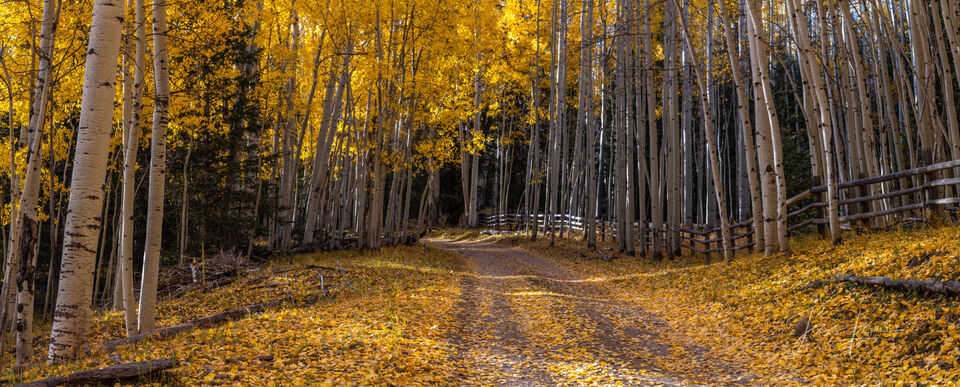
(525,320)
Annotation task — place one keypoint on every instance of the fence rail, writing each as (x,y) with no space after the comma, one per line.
(872,202)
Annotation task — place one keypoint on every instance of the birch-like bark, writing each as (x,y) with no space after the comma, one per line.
(808,59)
(133,88)
(746,127)
(328,128)
(158,171)
(24,229)
(71,320)
(586,51)
(772,129)
(656,215)
(711,142)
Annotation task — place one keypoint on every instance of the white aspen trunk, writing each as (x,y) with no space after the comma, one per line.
(656,215)
(627,127)
(711,143)
(686,141)
(28,233)
(310,216)
(553,141)
(184,205)
(71,320)
(946,77)
(675,201)
(795,12)
(477,131)
(746,128)
(24,227)
(158,171)
(669,123)
(131,127)
(328,128)
(768,180)
(590,184)
(619,124)
(773,127)
(464,175)
(639,129)
(288,188)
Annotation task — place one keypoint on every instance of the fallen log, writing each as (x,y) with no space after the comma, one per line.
(203,322)
(121,373)
(927,287)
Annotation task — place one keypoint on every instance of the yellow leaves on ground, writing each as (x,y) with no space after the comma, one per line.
(386,326)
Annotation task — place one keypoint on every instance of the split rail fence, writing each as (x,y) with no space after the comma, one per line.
(899,198)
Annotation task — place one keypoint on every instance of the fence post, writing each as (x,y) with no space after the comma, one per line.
(820,213)
(864,190)
(932,192)
(708,246)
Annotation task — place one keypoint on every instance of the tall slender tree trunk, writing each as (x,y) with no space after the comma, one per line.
(771,133)
(24,229)
(184,204)
(656,214)
(588,125)
(158,170)
(711,142)
(808,59)
(477,131)
(328,128)
(71,321)
(133,88)
(746,127)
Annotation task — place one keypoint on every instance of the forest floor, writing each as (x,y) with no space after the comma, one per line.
(470,309)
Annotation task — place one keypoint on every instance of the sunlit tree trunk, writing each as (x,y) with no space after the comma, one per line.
(158,171)
(24,229)
(133,88)
(328,128)
(71,321)
(477,131)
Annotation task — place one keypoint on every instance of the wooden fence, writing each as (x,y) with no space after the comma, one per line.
(898,198)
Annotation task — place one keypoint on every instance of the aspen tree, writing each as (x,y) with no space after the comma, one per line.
(586,84)
(158,168)
(711,142)
(656,215)
(24,228)
(71,319)
(25,244)
(133,88)
(808,59)
(746,127)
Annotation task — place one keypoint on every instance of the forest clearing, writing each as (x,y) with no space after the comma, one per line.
(505,192)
